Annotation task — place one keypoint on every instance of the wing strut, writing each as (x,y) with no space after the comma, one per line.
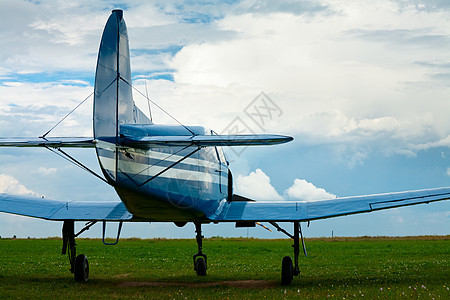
(86,227)
(274,224)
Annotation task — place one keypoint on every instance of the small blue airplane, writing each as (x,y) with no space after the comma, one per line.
(168,173)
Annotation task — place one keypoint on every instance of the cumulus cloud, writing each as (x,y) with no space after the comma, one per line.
(343,72)
(11,185)
(46,171)
(30,109)
(354,76)
(355,81)
(306,191)
(445,142)
(257,186)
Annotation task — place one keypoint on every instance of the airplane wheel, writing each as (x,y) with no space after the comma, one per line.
(200,266)
(81,271)
(287,271)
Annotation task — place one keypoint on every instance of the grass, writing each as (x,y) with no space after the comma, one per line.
(237,268)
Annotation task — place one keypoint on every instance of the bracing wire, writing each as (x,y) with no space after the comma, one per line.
(72,160)
(60,121)
(169,167)
(148,100)
(162,109)
(79,104)
(66,156)
(156,163)
(69,158)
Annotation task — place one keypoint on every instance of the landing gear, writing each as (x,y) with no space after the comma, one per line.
(289,269)
(81,271)
(200,266)
(79,265)
(296,247)
(200,260)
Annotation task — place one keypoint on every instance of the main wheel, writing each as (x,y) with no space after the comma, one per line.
(81,271)
(200,266)
(287,271)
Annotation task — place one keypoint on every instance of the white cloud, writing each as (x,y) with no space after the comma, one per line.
(30,109)
(46,171)
(11,185)
(445,142)
(257,186)
(306,191)
(343,72)
(352,77)
(358,76)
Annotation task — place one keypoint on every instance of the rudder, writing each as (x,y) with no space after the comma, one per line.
(113,99)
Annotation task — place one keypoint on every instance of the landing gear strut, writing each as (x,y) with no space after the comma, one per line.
(79,265)
(288,269)
(199,258)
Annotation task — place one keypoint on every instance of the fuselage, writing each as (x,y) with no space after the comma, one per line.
(167,183)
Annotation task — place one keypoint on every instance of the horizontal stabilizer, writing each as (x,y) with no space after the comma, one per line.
(314,210)
(56,142)
(64,210)
(206,140)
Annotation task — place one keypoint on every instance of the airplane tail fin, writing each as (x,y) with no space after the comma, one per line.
(113,99)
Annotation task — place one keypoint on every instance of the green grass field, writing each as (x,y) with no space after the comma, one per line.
(237,269)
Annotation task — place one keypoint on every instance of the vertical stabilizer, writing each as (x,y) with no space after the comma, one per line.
(113,99)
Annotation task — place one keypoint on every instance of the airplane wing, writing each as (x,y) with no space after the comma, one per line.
(206,140)
(289,211)
(64,210)
(77,142)
(149,141)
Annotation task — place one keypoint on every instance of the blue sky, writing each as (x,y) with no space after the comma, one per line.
(362,86)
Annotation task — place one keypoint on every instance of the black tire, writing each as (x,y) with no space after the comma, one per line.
(287,271)
(81,271)
(200,266)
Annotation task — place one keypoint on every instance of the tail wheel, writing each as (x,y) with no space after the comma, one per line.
(287,271)
(81,271)
(200,266)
